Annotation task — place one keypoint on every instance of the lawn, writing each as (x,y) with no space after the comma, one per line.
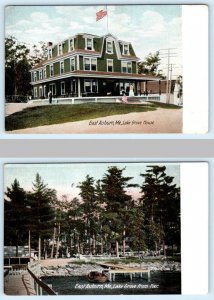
(57,114)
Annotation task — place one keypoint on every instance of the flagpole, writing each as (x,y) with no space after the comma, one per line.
(107,18)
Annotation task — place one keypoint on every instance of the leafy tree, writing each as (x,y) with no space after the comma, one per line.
(39,53)
(180,84)
(42,201)
(150,65)
(17,67)
(161,206)
(15,227)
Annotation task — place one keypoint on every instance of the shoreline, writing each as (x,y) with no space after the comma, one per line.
(83,268)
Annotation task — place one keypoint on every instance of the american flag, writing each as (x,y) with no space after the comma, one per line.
(101,14)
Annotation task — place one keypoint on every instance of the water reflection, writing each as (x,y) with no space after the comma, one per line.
(161,283)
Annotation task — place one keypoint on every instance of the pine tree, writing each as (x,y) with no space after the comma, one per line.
(161,207)
(42,201)
(15,216)
(90,211)
(117,201)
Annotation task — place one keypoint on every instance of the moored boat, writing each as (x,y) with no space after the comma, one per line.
(95,276)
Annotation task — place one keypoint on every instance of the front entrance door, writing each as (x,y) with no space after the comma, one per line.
(110,88)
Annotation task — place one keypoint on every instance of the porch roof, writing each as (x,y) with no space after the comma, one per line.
(114,75)
(97,74)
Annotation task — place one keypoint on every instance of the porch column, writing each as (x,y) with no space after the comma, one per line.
(146,89)
(135,88)
(78,87)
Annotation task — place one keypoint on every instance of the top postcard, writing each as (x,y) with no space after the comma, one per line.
(105,69)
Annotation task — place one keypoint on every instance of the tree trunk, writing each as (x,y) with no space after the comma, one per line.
(39,248)
(94,245)
(78,246)
(53,242)
(29,244)
(124,242)
(57,243)
(117,249)
(101,242)
(164,248)
(101,246)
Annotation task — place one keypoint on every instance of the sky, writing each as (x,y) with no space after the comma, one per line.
(148,27)
(66,177)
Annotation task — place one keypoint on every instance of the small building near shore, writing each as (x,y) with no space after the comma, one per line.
(87,65)
(160,87)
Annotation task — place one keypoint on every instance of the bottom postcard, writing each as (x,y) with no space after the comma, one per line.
(93,228)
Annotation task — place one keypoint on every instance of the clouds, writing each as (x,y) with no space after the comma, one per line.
(148,28)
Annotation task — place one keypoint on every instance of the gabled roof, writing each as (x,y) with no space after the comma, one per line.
(91,52)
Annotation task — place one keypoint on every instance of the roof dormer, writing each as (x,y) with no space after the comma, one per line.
(89,42)
(125,49)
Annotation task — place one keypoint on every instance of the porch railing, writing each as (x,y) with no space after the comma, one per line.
(94,99)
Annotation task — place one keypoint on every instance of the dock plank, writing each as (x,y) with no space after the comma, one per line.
(19,284)
(112,266)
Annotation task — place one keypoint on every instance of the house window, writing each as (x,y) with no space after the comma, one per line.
(126,67)
(90,86)
(87,64)
(109,65)
(60,49)
(89,44)
(35,76)
(52,87)
(35,92)
(126,49)
(72,64)
(93,64)
(44,73)
(62,69)
(73,86)
(44,88)
(109,47)
(62,88)
(90,64)
(50,53)
(51,70)
(71,44)
(40,91)
(40,74)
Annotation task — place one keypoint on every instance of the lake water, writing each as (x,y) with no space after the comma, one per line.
(160,283)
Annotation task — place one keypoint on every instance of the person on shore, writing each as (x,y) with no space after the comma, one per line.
(50,96)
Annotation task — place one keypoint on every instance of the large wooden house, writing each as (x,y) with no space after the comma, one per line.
(87,65)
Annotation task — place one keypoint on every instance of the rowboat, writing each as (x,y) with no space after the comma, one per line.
(95,276)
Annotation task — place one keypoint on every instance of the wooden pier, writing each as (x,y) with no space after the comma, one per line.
(122,269)
(131,271)
(18,284)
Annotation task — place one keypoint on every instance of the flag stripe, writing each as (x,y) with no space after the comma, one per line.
(100,14)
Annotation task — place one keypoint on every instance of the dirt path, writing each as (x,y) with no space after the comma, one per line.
(159,121)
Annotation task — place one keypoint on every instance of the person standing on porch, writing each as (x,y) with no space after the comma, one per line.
(131,90)
(50,96)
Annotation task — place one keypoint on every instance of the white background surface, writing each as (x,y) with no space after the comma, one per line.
(195,68)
